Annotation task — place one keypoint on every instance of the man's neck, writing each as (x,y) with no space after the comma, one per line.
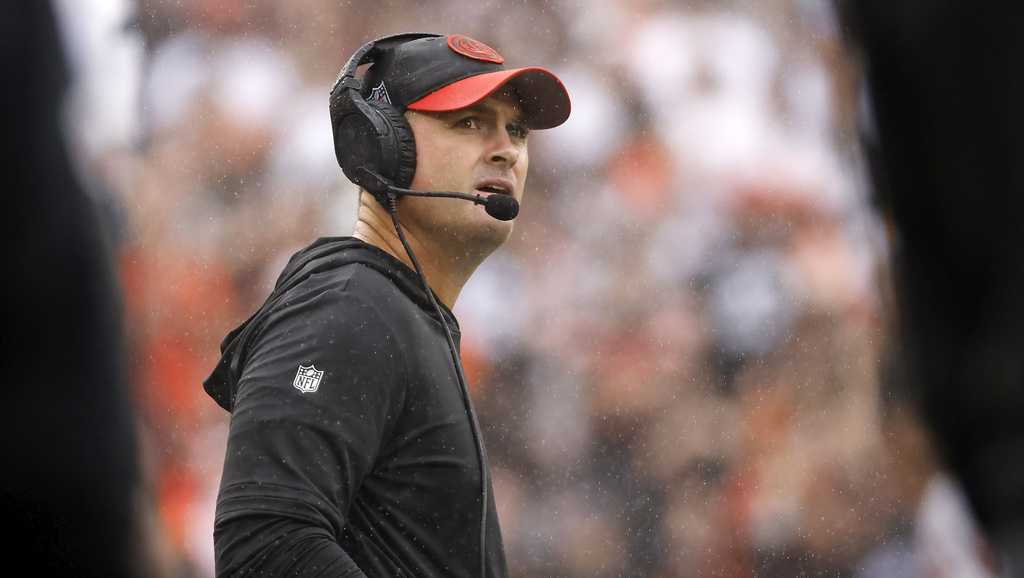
(446,274)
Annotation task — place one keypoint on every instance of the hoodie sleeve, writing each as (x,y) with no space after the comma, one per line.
(319,393)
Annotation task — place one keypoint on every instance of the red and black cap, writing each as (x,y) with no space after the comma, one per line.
(451,72)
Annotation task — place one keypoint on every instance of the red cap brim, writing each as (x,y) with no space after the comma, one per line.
(544,99)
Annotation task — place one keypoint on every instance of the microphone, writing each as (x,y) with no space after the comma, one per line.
(501,207)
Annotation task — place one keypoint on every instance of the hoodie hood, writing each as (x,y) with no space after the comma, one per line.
(326,254)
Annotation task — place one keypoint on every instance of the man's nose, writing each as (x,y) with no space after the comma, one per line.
(504,151)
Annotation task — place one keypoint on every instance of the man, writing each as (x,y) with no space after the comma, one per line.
(353,449)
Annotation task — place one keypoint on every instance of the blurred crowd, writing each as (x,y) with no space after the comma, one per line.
(677,358)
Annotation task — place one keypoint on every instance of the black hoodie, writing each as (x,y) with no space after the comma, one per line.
(350,451)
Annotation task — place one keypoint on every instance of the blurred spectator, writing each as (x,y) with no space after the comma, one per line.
(942,130)
(75,493)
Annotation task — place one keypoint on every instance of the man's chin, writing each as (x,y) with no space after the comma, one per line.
(485,235)
(458,224)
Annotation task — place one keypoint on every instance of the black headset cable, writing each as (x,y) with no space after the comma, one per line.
(481,453)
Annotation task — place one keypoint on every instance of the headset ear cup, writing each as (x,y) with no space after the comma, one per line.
(356,145)
(398,148)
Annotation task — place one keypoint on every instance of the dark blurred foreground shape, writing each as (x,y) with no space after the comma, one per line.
(945,87)
(71,473)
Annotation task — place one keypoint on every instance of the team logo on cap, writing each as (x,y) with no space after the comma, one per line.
(474,49)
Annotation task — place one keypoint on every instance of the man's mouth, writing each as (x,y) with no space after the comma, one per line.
(494,186)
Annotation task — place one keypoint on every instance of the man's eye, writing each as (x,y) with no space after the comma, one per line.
(468,122)
(518,130)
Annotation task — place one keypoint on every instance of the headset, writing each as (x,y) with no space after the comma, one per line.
(372,135)
(376,149)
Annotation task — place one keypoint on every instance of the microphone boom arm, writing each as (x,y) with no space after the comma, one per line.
(477,199)
(501,207)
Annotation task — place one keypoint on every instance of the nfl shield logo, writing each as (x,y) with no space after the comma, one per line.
(380,92)
(307,380)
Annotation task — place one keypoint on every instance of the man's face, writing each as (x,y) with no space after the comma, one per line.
(475,150)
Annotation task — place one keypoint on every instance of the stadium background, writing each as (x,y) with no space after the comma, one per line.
(676,358)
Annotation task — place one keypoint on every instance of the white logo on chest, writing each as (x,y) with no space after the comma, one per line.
(307,379)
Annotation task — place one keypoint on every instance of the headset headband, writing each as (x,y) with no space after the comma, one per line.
(367,53)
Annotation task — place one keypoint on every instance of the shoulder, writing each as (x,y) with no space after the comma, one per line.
(348,303)
(331,322)
(347,311)
(353,294)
